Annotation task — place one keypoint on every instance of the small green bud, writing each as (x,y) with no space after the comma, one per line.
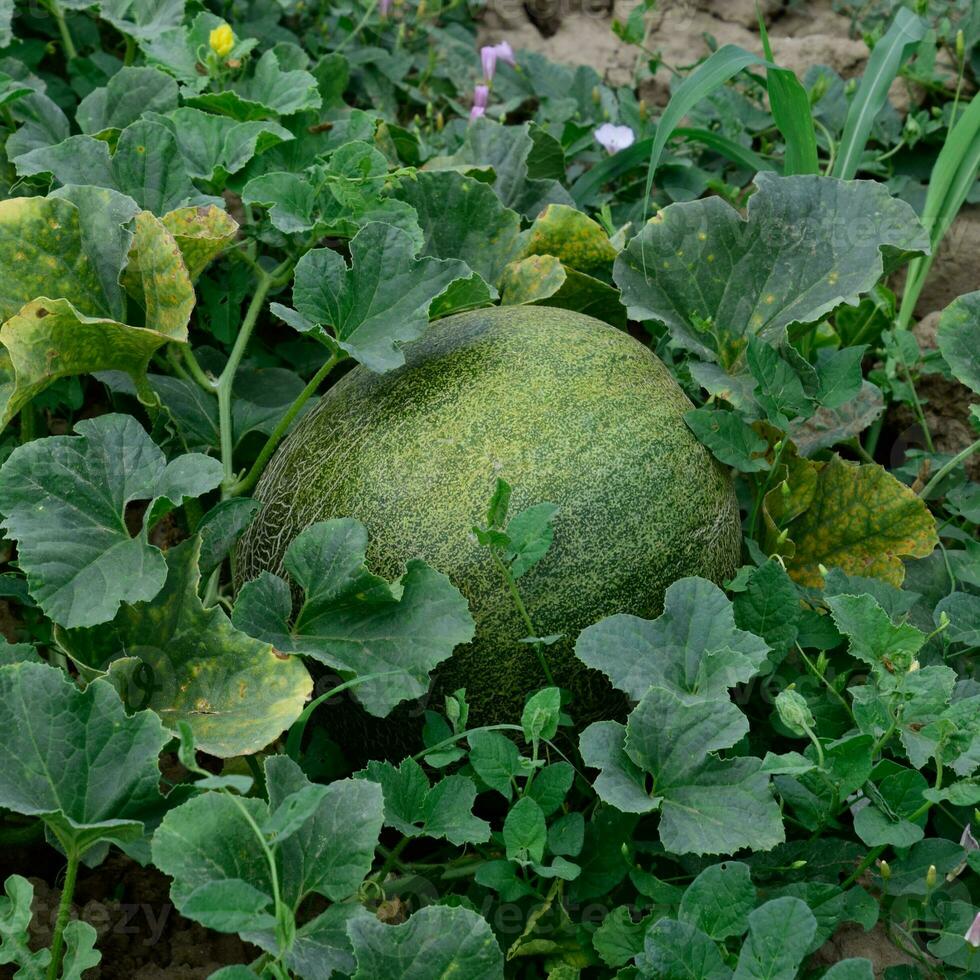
(796,865)
(884,870)
(822,569)
(931,877)
(784,488)
(960,46)
(793,711)
(783,535)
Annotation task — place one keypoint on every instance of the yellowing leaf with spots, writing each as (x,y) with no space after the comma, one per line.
(62,308)
(858,518)
(571,236)
(807,245)
(543,280)
(188,663)
(201,233)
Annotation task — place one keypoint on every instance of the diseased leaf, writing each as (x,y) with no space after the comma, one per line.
(61,309)
(416,809)
(435,942)
(190,664)
(694,647)
(65,500)
(378,303)
(201,234)
(859,518)
(796,257)
(828,427)
(573,238)
(75,758)
(354,621)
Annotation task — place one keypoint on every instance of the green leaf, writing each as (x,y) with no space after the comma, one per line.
(267,93)
(530,534)
(378,303)
(130,93)
(778,390)
(435,942)
(541,714)
(214,148)
(142,18)
(75,758)
(779,938)
(873,637)
(190,664)
(663,759)
(221,527)
(905,32)
(719,900)
(354,621)
(495,759)
(677,270)
(416,809)
(15,920)
(229,906)
(857,517)
(525,833)
(839,376)
(770,607)
(959,339)
(694,647)
(462,218)
(674,950)
(851,969)
(732,441)
(888,821)
(210,840)
(618,939)
(507,150)
(65,500)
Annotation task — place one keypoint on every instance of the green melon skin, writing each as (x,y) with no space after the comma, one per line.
(566,409)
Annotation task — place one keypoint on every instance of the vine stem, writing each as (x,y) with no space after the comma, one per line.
(391,860)
(945,470)
(252,477)
(64,908)
(71,53)
(266,282)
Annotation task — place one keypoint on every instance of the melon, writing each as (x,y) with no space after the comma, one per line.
(566,409)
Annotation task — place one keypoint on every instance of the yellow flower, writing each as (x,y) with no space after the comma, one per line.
(222,40)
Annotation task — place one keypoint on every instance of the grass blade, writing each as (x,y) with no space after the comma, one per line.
(729,149)
(886,59)
(790,107)
(953,174)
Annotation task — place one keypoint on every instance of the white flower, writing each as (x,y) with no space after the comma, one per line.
(614,138)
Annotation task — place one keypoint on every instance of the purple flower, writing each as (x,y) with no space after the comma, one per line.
(505,53)
(967,841)
(973,933)
(614,138)
(488,58)
(477,111)
(384,7)
(490,54)
(481,95)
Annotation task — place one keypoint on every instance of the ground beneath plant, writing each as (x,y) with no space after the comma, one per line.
(141,935)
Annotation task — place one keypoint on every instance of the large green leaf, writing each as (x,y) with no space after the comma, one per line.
(675,950)
(354,621)
(210,842)
(130,93)
(664,760)
(693,648)
(64,499)
(142,18)
(959,339)
(779,938)
(462,218)
(62,308)
(75,758)
(436,943)
(808,244)
(381,301)
(267,93)
(416,809)
(190,664)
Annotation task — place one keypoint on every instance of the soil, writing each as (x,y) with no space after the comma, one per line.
(140,934)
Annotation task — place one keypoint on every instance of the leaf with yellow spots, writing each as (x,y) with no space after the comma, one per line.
(188,663)
(574,238)
(62,306)
(201,233)
(543,280)
(858,518)
(807,245)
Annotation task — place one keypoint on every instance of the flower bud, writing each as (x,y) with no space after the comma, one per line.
(221,40)
(960,45)
(973,933)
(884,869)
(793,711)
(931,877)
